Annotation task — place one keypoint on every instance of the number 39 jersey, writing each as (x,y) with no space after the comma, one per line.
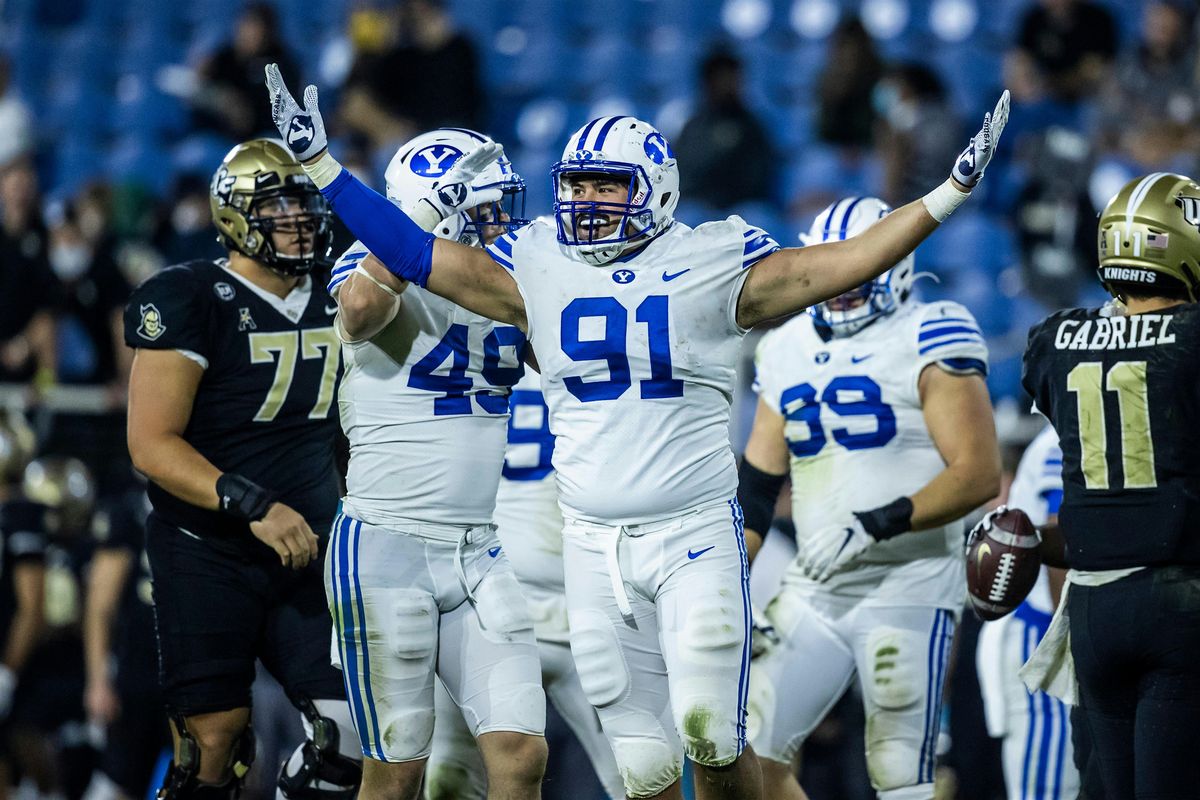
(637,361)
(264,406)
(1123,392)
(424,404)
(858,440)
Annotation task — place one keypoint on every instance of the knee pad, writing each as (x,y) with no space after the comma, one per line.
(409,619)
(647,764)
(598,658)
(180,782)
(500,604)
(320,769)
(895,684)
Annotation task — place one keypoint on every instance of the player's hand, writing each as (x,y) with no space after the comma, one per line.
(830,550)
(302,129)
(285,531)
(454,193)
(983,527)
(101,702)
(763,636)
(968,170)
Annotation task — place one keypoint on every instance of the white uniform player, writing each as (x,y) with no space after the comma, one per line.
(1036,728)
(530,525)
(417,578)
(844,385)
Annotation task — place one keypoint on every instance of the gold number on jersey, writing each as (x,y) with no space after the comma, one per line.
(282,347)
(1128,380)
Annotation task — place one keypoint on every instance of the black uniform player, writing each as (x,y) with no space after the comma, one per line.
(1123,392)
(231,418)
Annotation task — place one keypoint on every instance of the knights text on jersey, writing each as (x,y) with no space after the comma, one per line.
(638,365)
(1123,393)
(424,404)
(264,406)
(856,433)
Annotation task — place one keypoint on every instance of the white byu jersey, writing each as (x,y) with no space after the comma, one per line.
(1037,490)
(857,438)
(638,365)
(424,404)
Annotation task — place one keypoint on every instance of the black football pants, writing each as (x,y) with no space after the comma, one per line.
(1136,647)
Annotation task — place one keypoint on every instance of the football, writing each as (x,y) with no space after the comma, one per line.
(1002,564)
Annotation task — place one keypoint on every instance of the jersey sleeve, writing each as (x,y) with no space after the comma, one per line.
(347,261)
(24,528)
(169,311)
(1031,373)
(757,244)
(501,250)
(763,384)
(948,335)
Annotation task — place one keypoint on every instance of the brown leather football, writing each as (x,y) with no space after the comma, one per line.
(1003,564)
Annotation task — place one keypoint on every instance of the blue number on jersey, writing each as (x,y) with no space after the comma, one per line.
(455,384)
(800,404)
(653,312)
(540,436)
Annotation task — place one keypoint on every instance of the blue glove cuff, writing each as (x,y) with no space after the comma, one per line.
(393,238)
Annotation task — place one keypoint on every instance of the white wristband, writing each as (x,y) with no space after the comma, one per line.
(360,270)
(425,215)
(941,202)
(323,170)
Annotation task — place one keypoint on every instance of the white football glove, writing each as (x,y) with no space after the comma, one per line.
(454,192)
(982,527)
(763,636)
(974,160)
(831,549)
(302,129)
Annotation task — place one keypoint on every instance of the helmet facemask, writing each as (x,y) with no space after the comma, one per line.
(579,221)
(484,224)
(301,218)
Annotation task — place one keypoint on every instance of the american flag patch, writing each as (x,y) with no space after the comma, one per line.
(1157,240)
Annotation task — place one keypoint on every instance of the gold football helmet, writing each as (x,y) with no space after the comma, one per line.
(1149,238)
(65,486)
(259,191)
(17,444)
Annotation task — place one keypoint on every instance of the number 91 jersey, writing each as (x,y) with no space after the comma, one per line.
(857,436)
(424,404)
(638,364)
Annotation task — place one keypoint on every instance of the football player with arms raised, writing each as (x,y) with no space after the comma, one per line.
(231,419)
(1121,386)
(636,321)
(419,585)
(878,405)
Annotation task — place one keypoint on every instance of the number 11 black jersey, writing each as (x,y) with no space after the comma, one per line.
(265,406)
(1123,392)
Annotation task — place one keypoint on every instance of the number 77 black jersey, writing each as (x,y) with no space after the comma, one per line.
(265,405)
(1123,393)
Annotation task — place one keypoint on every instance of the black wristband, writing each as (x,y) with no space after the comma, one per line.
(888,521)
(243,498)
(757,493)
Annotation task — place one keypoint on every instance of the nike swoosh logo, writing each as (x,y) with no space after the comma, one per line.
(860,359)
(331,309)
(669,277)
(984,551)
(697,553)
(495,551)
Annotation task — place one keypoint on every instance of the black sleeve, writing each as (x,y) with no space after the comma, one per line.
(169,311)
(24,527)
(116,526)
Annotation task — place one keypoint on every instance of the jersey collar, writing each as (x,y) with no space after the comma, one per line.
(291,307)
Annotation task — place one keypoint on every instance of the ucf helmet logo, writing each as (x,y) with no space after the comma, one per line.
(1191,209)
(152,325)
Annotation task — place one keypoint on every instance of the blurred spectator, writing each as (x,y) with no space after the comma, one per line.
(29,292)
(16,126)
(1150,106)
(82,255)
(919,132)
(1071,43)
(724,155)
(185,227)
(230,98)
(427,78)
(844,88)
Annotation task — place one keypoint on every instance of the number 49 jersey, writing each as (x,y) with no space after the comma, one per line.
(638,365)
(857,437)
(1123,392)
(264,406)
(424,404)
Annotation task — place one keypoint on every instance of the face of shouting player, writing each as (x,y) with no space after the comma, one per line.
(608,192)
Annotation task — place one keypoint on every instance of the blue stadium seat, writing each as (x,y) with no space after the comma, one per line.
(970,239)
(139,159)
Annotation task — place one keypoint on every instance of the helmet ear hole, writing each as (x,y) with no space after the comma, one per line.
(666,198)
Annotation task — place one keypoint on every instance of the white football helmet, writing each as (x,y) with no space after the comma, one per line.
(852,311)
(422,162)
(630,150)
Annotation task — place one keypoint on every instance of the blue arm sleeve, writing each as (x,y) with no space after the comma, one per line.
(393,238)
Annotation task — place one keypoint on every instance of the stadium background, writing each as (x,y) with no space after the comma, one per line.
(115,112)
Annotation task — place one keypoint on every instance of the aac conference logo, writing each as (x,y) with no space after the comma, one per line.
(435,160)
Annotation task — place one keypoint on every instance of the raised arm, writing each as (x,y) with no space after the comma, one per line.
(792,279)
(464,275)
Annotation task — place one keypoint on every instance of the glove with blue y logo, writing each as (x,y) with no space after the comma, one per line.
(968,169)
(302,129)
